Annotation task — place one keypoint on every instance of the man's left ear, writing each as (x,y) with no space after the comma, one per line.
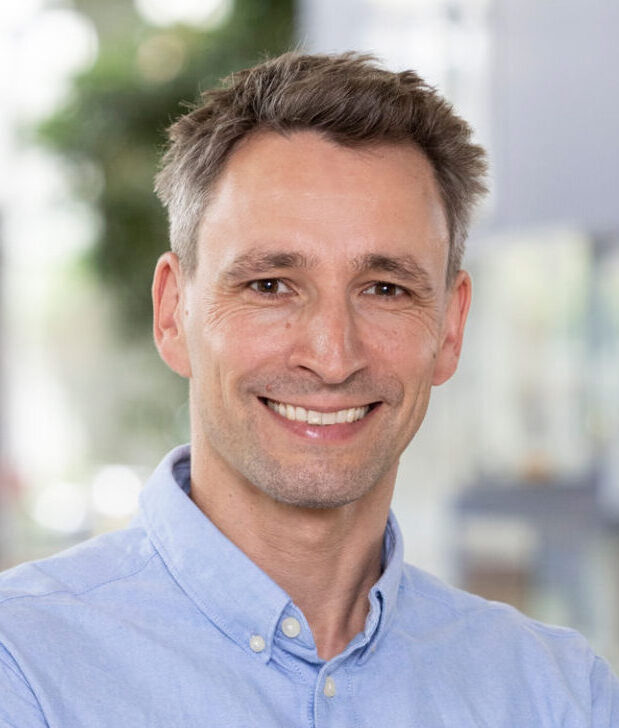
(458,303)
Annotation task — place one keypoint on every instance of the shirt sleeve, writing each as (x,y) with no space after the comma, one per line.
(19,707)
(604,696)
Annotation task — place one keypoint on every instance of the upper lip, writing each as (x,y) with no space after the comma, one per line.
(321,407)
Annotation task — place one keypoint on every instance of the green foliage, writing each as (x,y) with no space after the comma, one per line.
(116,121)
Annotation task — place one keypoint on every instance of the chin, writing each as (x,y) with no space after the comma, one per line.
(316,488)
(313,501)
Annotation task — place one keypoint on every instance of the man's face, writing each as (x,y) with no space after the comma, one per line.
(318,317)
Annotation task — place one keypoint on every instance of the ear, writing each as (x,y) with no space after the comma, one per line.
(168,326)
(458,303)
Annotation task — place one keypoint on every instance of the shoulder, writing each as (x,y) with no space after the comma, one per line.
(77,571)
(494,641)
(54,611)
(520,665)
(444,604)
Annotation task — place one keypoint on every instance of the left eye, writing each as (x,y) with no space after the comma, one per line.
(382,288)
(271,286)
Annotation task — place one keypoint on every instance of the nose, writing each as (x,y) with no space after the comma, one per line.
(327,341)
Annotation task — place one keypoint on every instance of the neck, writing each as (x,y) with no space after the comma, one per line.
(327,560)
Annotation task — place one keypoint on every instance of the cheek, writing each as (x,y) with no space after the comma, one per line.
(233,344)
(407,343)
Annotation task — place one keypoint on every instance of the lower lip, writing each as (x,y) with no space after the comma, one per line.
(331,433)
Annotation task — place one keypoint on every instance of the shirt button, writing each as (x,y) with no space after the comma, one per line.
(329,688)
(291,627)
(257,643)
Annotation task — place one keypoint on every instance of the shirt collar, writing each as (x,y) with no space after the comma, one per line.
(234,593)
(384,594)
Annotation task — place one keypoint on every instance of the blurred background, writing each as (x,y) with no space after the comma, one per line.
(511,488)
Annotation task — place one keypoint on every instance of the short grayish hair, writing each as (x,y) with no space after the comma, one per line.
(351,100)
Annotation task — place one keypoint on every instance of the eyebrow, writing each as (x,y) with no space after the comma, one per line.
(255,262)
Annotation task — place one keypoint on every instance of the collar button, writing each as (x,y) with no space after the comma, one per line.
(291,627)
(257,643)
(329,688)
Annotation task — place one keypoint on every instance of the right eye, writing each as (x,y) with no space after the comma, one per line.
(270,286)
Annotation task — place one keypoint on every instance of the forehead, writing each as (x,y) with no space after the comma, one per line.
(308,193)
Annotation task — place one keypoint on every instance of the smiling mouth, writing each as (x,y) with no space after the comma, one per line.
(312,417)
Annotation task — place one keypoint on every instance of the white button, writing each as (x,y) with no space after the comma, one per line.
(329,688)
(257,643)
(291,627)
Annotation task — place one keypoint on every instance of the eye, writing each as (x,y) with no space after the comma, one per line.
(270,286)
(382,288)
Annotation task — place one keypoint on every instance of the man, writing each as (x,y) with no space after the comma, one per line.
(313,296)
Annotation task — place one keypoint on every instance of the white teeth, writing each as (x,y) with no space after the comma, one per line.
(300,414)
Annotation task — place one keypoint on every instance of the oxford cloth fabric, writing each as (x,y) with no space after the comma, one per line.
(168,624)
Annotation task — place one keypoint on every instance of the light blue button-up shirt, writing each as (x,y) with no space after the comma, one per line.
(167,624)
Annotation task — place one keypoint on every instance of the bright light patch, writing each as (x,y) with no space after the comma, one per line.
(190,12)
(115,491)
(63,226)
(12,14)
(61,507)
(64,39)
(57,44)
